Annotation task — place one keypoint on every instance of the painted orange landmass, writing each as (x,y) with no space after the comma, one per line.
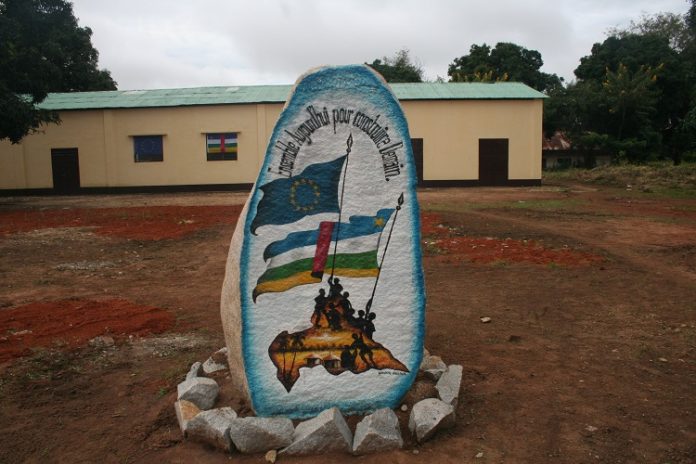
(320,345)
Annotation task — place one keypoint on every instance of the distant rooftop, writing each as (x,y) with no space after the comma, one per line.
(274,94)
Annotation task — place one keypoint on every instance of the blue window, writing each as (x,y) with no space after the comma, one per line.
(147,148)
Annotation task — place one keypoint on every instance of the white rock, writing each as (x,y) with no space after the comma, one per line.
(201,391)
(195,371)
(486,319)
(433,367)
(429,416)
(260,434)
(449,383)
(212,427)
(216,362)
(328,432)
(185,412)
(479,455)
(377,432)
(404,407)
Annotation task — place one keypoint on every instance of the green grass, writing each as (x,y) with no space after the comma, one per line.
(659,178)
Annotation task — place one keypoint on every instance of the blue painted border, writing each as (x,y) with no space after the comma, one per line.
(349,78)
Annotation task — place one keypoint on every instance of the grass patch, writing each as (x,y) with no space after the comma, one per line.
(661,178)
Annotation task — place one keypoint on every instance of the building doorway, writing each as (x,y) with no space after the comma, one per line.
(493,161)
(66,170)
(417,147)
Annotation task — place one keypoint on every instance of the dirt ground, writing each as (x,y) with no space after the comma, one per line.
(590,355)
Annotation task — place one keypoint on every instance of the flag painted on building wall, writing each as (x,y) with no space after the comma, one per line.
(222,143)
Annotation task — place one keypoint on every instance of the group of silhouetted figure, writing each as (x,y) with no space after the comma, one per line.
(364,322)
(337,297)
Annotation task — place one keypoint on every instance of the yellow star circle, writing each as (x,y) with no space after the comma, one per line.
(297,206)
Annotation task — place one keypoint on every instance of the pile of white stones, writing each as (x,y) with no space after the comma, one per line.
(325,433)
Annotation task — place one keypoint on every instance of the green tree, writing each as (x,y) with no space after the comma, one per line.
(42,50)
(507,61)
(669,26)
(399,68)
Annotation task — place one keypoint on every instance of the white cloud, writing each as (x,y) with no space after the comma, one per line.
(159,44)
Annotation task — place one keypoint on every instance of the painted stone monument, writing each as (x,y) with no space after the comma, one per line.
(323,301)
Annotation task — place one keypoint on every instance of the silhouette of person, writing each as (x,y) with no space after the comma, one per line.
(347,358)
(359,322)
(348,311)
(363,350)
(368,327)
(319,307)
(334,317)
(335,288)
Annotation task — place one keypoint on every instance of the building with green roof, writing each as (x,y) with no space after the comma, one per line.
(215,137)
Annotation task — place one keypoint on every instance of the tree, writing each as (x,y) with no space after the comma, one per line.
(631,55)
(507,61)
(42,50)
(670,26)
(398,68)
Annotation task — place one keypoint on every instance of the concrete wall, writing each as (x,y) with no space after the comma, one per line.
(104,138)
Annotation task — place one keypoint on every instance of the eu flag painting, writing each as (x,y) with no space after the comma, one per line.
(313,191)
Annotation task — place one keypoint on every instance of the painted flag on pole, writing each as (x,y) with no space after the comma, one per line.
(313,191)
(302,257)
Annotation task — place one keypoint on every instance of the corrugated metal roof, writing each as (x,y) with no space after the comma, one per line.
(273,94)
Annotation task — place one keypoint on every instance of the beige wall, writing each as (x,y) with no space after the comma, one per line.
(450,130)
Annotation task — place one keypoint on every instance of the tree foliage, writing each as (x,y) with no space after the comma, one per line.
(399,68)
(42,50)
(633,92)
(505,62)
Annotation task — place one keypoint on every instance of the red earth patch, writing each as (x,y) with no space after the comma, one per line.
(438,240)
(138,223)
(72,323)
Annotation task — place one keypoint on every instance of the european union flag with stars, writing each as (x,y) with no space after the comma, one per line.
(313,191)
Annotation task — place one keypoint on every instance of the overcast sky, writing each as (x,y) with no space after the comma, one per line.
(169,44)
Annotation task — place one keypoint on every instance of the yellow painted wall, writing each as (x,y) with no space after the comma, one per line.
(451,130)
(104,139)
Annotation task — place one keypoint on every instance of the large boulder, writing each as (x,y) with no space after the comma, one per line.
(185,412)
(326,254)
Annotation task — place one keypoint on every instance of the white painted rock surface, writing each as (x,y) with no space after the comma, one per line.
(433,366)
(428,417)
(212,427)
(335,198)
(201,391)
(449,384)
(261,434)
(185,411)
(377,432)
(326,433)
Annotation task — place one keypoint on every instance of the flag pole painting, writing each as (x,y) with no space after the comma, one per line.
(323,300)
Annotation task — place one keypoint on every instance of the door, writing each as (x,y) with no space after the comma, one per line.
(493,161)
(66,170)
(417,146)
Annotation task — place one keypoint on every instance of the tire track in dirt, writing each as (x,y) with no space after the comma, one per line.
(608,245)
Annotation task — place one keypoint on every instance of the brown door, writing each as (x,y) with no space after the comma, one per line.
(417,146)
(66,170)
(493,161)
